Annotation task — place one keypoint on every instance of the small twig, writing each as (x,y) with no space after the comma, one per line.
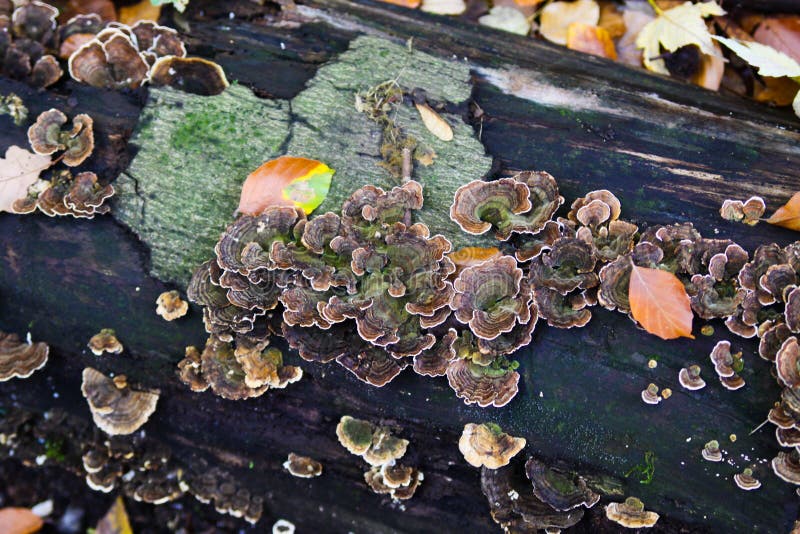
(756,429)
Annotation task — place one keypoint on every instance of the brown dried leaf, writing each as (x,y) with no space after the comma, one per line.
(18,171)
(659,303)
(788,215)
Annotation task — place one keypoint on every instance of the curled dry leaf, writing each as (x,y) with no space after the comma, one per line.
(19,521)
(659,303)
(18,171)
(788,215)
(435,123)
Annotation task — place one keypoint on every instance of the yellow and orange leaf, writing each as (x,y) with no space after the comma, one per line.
(788,215)
(143,10)
(286,181)
(19,521)
(115,521)
(591,40)
(659,303)
(411,4)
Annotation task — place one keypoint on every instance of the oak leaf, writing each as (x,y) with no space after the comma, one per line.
(659,303)
(674,28)
(788,215)
(19,521)
(18,171)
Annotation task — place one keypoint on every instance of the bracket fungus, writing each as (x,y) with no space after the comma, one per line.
(398,481)
(302,466)
(80,196)
(787,466)
(650,394)
(192,75)
(105,341)
(26,40)
(631,514)
(20,359)
(748,212)
(171,306)
(486,445)
(689,378)
(711,451)
(560,489)
(47,137)
(786,363)
(116,410)
(746,481)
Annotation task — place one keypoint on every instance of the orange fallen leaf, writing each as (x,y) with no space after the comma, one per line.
(612,20)
(19,521)
(286,181)
(781,33)
(411,4)
(788,215)
(591,40)
(659,303)
(143,10)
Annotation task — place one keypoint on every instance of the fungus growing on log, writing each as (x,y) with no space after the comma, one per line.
(115,410)
(487,445)
(746,481)
(787,466)
(171,306)
(105,341)
(786,362)
(711,451)
(302,466)
(192,75)
(748,212)
(398,481)
(20,359)
(190,370)
(483,385)
(689,378)
(650,394)
(561,490)
(631,514)
(109,61)
(355,435)
(46,136)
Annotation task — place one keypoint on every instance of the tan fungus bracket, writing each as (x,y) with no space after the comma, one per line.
(486,445)
(116,408)
(20,359)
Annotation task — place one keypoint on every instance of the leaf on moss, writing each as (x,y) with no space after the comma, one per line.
(286,181)
(435,123)
(18,171)
(115,521)
(659,303)
(674,28)
(19,521)
(788,215)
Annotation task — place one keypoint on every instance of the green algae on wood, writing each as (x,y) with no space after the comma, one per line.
(329,128)
(194,153)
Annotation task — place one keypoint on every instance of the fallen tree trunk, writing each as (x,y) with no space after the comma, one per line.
(672,153)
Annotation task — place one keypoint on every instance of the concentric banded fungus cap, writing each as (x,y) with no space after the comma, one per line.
(159,40)
(193,75)
(558,309)
(631,514)
(569,265)
(385,448)
(224,373)
(190,370)
(732,383)
(563,491)
(491,298)
(19,359)
(650,394)
(372,365)
(434,361)
(114,63)
(748,212)
(487,445)
(786,362)
(593,200)
(516,509)
(399,481)
(792,310)
(746,481)
(44,135)
(711,451)
(355,435)
(105,341)
(86,196)
(478,206)
(787,466)
(722,359)
(171,306)
(116,411)
(689,378)
(484,386)
(302,466)
(34,20)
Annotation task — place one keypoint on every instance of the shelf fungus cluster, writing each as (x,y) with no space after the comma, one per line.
(120,56)
(105,341)
(20,359)
(486,445)
(631,514)
(381,449)
(302,466)
(29,40)
(247,371)
(117,409)
(551,499)
(171,306)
